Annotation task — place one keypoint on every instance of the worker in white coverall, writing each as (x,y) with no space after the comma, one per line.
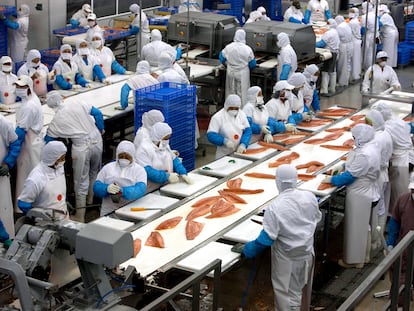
(39,73)
(330,40)
(389,35)
(355,25)
(83,124)
(189,5)
(79,19)
(371,33)
(402,145)
(7,79)
(360,175)
(263,126)
(229,128)
(297,101)
(289,225)
(294,14)
(169,74)
(287,60)
(317,11)
(159,161)
(343,67)
(141,23)
(9,151)
(29,124)
(383,76)
(120,181)
(254,16)
(310,92)
(152,50)
(142,78)
(149,118)
(239,59)
(93,27)
(262,12)
(383,140)
(45,187)
(18,35)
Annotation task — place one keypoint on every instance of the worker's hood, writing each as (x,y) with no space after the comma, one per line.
(143,67)
(240,36)
(384,108)
(156,35)
(297,79)
(52,151)
(339,19)
(31,55)
(362,133)
(252,94)
(151,117)
(127,147)
(286,177)
(159,130)
(376,119)
(232,100)
(165,61)
(283,40)
(54,100)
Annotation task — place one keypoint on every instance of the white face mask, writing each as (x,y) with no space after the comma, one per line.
(164,144)
(84,51)
(34,65)
(351,15)
(314,78)
(123,162)
(96,44)
(6,68)
(233,113)
(91,24)
(66,56)
(382,64)
(259,100)
(59,165)
(22,93)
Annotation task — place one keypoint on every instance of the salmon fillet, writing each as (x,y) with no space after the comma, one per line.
(324,186)
(329,137)
(305,177)
(339,148)
(222,209)
(234,183)
(198,212)
(260,175)
(293,140)
(357,117)
(272,145)
(137,246)
(232,197)
(169,223)
(244,191)
(255,150)
(193,229)
(207,200)
(309,164)
(155,240)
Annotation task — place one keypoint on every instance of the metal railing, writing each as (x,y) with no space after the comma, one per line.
(393,259)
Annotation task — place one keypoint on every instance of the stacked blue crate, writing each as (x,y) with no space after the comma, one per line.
(177,102)
(406,48)
(6,10)
(50,56)
(236,8)
(273,8)
(404,54)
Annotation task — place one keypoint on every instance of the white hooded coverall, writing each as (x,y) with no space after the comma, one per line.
(343,66)
(287,56)
(368,21)
(18,39)
(383,78)
(152,50)
(356,46)
(389,35)
(149,118)
(140,20)
(7,78)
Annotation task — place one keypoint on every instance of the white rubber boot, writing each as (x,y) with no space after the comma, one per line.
(324,83)
(80,212)
(332,83)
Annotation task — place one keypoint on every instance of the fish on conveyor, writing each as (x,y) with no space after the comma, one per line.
(207,200)
(335,112)
(222,209)
(232,197)
(193,229)
(357,117)
(314,123)
(338,129)
(260,175)
(338,148)
(244,191)
(198,212)
(324,186)
(272,145)
(169,223)
(155,240)
(255,150)
(137,247)
(293,140)
(329,137)
(306,177)
(349,143)
(287,159)
(280,136)
(234,183)
(308,164)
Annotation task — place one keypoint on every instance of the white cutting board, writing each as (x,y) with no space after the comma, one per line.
(245,232)
(256,156)
(312,185)
(183,189)
(153,202)
(205,255)
(314,128)
(113,223)
(224,166)
(110,111)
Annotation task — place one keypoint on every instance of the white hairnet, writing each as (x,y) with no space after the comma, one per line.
(165,61)
(91,16)
(261,9)
(255,15)
(53,99)
(384,8)
(25,10)
(98,34)
(382,54)
(282,85)
(355,10)
(156,35)
(240,36)
(311,69)
(65,47)
(232,100)
(332,23)
(252,93)
(362,133)
(283,39)
(159,130)
(286,177)
(79,42)
(127,147)
(384,108)
(134,8)
(297,79)
(339,19)
(52,151)
(376,119)
(367,7)
(24,80)
(32,54)
(151,117)
(143,67)
(5,59)
(87,8)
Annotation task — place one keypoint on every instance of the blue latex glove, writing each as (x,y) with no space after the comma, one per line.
(328,14)
(157,176)
(10,24)
(115,66)
(246,136)
(179,53)
(134,192)
(343,179)
(133,29)
(320,44)
(12,155)
(306,18)
(74,23)
(255,247)
(98,73)
(215,138)
(223,60)
(179,167)
(24,206)
(124,95)
(252,63)
(4,236)
(294,20)
(99,121)
(79,79)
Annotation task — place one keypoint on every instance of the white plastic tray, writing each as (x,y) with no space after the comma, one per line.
(312,185)
(244,232)
(184,190)
(224,166)
(113,223)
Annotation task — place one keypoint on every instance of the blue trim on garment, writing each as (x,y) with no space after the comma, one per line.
(363,31)
(157,176)
(223,60)
(4,236)
(115,66)
(133,29)
(179,167)
(316,105)
(276,126)
(294,20)
(124,95)
(320,44)
(393,231)
(134,192)
(291,120)
(306,18)
(179,53)
(255,247)
(62,83)
(343,179)
(10,24)
(85,60)
(256,128)
(297,116)
(24,206)
(21,134)
(97,115)
(79,79)
(284,75)
(13,154)
(98,73)
(328,14)
(246,136)
(74,22)
(100,189)
(411,128)
(48,139)
(252,63)
(215,138)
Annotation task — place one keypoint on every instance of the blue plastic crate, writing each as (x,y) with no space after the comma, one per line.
(8,10)
(69,31)
(409,32)
(172,10)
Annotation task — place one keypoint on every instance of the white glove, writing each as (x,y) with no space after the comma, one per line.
(241,148)
(397,87)
(76,87)
(129,72)
(337,169)
(173,178)
(327,180)
(106,81)
(306,116)
(187,179)
(229,143)
(113,189)
(290,128)
(266,129)
(390,248)
(268,138)
(88,85)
